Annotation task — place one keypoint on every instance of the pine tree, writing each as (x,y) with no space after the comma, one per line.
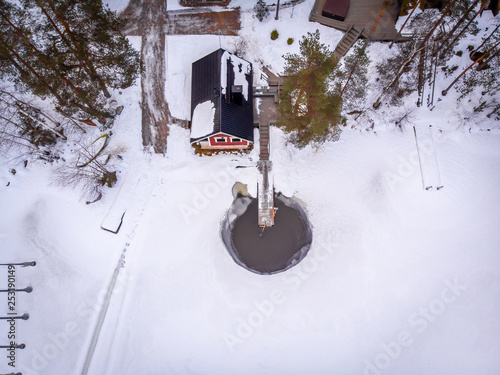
(354,77)
(310,105)
(69,50)
(261,10)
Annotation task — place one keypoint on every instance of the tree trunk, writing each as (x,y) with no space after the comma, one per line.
(487,39)
(301,90)
(450,45)
(469,67)
(40,79)
(398,74)
(404,24)
(42,113)
(88,106)
(429,34)
(380,14)
(414,53)
(354,68)
(457,25)
(421,78)
(43,125)
(497,108)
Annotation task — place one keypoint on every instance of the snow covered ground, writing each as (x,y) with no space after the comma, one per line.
(399,280)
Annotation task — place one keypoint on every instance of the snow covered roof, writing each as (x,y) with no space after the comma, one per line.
(203,120)
(226,81)
(240,70)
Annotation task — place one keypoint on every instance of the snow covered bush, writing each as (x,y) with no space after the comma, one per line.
(239,47)
(261,10)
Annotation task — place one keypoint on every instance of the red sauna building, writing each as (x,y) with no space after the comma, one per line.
(222,102)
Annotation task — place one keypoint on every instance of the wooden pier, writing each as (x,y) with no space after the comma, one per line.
(265,184)
(268,98)
(265,193)
(264,141)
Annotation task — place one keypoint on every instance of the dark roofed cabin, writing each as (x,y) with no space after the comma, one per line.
(222,102)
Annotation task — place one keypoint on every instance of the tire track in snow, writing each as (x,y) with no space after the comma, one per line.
(116,272)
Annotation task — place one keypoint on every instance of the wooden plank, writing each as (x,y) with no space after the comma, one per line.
(265,194)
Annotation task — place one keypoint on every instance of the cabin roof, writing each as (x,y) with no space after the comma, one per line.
(221,96)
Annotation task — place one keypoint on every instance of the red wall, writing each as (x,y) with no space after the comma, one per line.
(214,143)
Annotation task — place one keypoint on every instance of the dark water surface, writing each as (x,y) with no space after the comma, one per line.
(276,248)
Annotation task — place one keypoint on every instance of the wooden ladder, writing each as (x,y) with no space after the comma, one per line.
(264,141)
(345,44)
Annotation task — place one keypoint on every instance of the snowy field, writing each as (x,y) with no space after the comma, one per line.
(399,279)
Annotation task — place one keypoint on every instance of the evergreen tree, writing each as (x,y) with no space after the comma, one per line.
(261,10)
(354,77)
(310,104)
(69,50)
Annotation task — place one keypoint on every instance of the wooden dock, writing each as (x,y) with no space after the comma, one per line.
(268,98)
(362,16)
(265,194)
(265,184)
(264,141)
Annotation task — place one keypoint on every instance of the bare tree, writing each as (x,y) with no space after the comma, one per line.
(87,171)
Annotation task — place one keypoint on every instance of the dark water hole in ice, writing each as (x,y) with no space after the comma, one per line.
(273,249)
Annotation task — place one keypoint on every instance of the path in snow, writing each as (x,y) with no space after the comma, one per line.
(148,21)
(381,257)
(140,190)
(151,20)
